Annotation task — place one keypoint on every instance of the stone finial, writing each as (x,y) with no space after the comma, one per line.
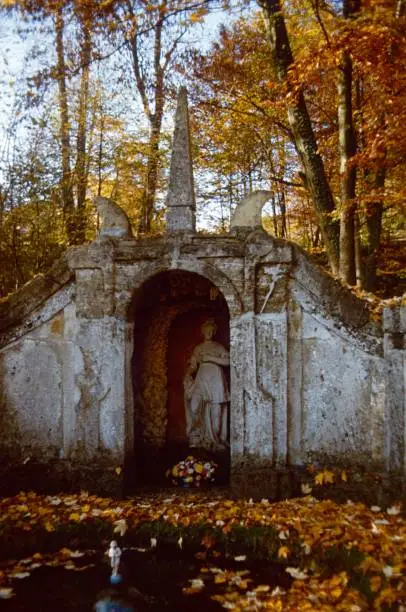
(114,223)
(181,211)
(248,212)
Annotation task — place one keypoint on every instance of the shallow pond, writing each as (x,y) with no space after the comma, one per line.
(160,576)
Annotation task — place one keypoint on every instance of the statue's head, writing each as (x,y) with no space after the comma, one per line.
(209,329)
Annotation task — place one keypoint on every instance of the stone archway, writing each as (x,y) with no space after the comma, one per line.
(168,311)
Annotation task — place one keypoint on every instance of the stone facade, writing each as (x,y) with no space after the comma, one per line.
(312,377)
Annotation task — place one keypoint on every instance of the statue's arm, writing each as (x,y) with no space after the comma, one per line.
(193,363)
(221,358)
(222,361)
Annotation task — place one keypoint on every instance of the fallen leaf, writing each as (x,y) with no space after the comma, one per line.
(394,510)
(196,583)
(262,588)
(19,575)
(49,526)
(296,573)
(120,527)
(283,552)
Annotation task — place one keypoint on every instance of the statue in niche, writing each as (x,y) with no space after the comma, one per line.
(206,393)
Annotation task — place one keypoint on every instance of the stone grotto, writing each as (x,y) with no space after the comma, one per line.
(94,353)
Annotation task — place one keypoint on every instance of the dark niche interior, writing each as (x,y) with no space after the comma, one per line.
(168,313)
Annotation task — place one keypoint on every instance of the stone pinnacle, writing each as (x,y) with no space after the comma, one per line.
(181,197)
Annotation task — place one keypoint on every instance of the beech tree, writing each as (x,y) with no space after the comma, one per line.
(154,32)
(347,74)
(304,138)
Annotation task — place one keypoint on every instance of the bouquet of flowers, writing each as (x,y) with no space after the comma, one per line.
(192,473)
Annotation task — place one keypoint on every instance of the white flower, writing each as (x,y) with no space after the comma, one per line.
(388,571)
(153,542)
(180,542)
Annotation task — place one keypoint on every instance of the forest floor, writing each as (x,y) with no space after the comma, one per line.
(199,550)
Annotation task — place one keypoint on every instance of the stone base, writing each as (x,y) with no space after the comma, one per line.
(180,219)
(371,488)
(60,476)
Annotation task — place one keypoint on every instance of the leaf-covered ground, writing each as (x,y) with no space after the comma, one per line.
(338,556)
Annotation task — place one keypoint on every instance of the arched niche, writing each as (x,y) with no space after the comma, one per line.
(167,313)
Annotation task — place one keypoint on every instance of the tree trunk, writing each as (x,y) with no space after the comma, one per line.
(374,225)
(347,148)
(282,206)
(303,134)
(359,262)
(155,118)
(375,209)
(66,179)
(400,10)
(81,154)
(151,183)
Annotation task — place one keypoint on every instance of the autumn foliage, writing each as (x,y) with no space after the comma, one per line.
(340,557)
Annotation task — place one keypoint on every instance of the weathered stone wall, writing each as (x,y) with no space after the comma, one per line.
(313,378)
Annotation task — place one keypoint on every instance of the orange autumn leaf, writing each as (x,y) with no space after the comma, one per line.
(283,552)
(375,583)
(325,477)
(49,526)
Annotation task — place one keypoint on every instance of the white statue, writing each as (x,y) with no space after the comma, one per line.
(114,552)
(206,393)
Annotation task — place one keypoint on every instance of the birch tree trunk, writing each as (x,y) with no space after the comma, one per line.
(347,149)
(81,168)
(154,116)
(66,175)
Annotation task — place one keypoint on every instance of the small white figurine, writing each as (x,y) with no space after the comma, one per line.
(114,552)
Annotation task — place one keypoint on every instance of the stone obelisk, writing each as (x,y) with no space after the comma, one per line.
(181,206)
